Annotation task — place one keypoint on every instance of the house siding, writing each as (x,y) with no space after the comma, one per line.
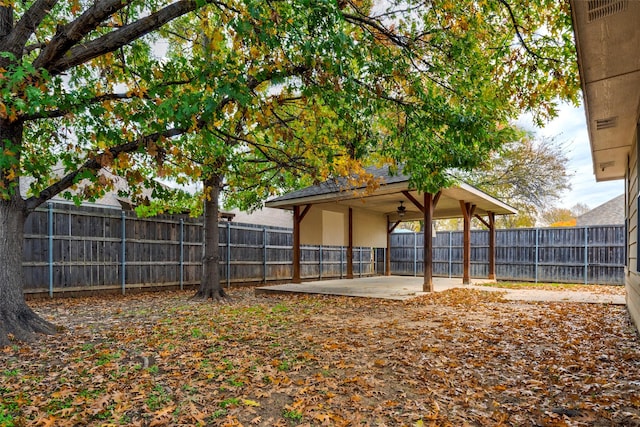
(632,281)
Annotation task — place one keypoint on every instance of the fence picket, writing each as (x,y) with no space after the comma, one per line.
(84,248)
(591,255)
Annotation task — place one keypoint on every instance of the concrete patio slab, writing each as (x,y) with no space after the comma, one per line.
(406,287)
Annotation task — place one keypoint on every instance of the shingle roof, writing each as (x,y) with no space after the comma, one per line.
(384,199)
(608,213)
(339,184)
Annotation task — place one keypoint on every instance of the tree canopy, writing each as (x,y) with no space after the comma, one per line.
(563,217)
(430,85)
(259,90)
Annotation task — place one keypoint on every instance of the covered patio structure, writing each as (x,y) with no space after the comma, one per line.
(336,213)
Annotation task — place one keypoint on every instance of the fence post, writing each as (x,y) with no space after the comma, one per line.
(264,254)
(586,255)
(181,253)
(415,254)
(375,261)
(123,252)
(384,260)
(341,260)
(228,263)
(450,254)
(360,261)
(50,238)
(536,254)
(320,262)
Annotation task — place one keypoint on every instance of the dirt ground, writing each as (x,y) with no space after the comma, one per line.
(460,357)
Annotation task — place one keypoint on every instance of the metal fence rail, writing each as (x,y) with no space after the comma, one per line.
(69,248)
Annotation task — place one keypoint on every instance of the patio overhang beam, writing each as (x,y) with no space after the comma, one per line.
(387,258)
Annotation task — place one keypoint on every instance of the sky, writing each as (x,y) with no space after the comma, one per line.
(570,130)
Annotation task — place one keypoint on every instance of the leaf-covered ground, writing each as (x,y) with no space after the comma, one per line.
(461,357)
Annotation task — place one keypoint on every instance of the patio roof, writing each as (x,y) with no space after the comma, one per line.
(344,214)
(385,199)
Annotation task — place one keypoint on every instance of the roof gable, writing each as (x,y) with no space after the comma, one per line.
(385,199)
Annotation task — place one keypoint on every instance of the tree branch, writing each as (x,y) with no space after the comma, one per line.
(71,33)
(26,26)
(398,101)
(52,114)
(32,47)
(94,164)
(112,41)
(516,27)
(359,20)
(61,112)
(262,148)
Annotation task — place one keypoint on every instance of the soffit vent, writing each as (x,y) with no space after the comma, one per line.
(605,165)
(607,123)
(599,9)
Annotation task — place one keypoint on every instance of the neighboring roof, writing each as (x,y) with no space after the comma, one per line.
(110,199)
(341,185)
(265,216)
(607,41)
(387,196)
(608,213)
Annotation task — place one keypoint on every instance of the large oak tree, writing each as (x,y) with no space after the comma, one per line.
(86,86)
(374,98)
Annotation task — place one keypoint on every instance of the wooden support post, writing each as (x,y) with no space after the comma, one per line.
(427,285)
(387,253)
(492,245)
(298,216)
(390,228)
(467,213)
(350,247)
(296,245)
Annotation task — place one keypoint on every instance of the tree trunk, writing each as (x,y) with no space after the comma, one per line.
(17,320)
(210,286)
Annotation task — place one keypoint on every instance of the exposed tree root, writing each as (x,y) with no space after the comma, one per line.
(215,294)
(22,325)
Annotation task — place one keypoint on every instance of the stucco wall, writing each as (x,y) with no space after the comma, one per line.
(334,228)
(328,224)
(369,229)
(265,216)
(311,227)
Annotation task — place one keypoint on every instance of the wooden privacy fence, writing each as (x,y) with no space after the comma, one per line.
(69,248)
(590,255)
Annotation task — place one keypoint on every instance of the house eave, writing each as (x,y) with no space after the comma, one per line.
(609,66)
